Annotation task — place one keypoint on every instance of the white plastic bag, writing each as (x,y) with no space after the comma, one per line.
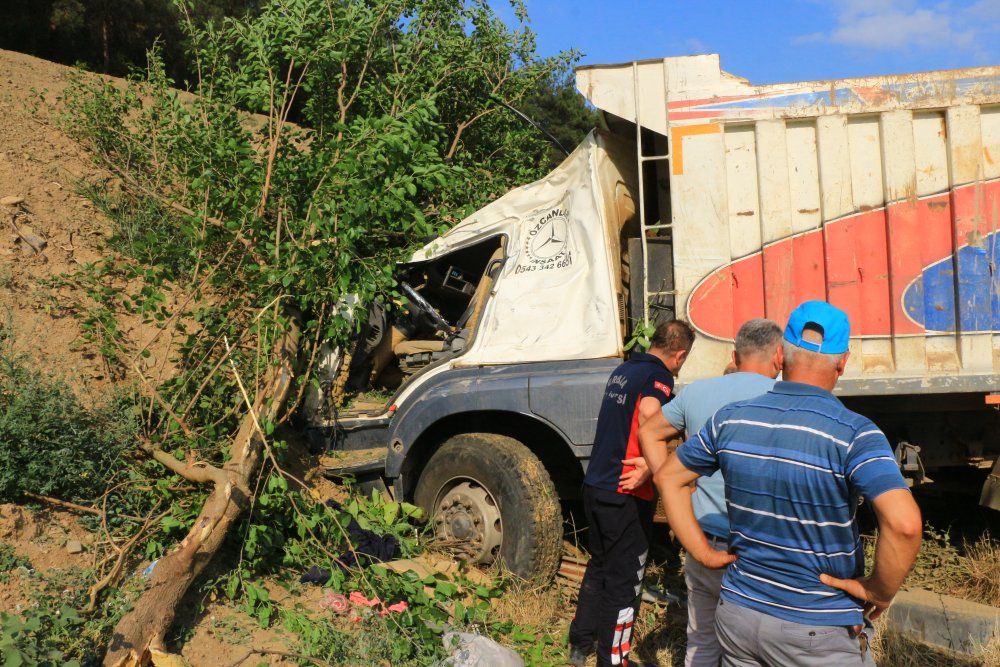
(472,650)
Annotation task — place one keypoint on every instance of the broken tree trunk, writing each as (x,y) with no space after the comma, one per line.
(139,635)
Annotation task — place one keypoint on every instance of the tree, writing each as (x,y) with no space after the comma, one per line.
(557,107)
(111,36)
(402,128)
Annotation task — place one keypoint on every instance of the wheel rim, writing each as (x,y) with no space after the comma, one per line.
(466,512)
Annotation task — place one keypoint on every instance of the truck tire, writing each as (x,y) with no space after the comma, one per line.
(492,493)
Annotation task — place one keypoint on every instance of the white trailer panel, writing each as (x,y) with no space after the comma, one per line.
(878,194)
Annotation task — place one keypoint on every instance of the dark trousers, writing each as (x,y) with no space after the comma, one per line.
(620,526)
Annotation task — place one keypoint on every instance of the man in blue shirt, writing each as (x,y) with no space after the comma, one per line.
(757,358)
(620,520)
(795,463)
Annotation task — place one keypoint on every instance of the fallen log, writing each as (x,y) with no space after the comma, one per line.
(139,635)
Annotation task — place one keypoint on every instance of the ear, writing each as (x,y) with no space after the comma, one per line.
(842,364)
(779,357)
(736,359)
(679,358)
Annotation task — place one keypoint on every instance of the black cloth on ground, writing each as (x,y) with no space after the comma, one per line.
(368,547)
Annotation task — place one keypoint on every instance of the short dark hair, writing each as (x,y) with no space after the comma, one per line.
(757,336)
(673,336)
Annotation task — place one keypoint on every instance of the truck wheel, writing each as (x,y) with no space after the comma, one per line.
(493,493)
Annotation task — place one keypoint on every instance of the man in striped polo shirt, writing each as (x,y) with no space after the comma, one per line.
(795,462)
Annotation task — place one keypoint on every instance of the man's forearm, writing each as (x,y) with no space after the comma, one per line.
(680,514)
(655,453)
(653,437)
(894,557)
(897,545)
(673,481)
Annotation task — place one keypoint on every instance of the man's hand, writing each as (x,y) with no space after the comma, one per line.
(860,589)
(639,475)
(714,559)
(900,529)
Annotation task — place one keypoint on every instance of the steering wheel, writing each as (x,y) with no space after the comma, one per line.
(424,308)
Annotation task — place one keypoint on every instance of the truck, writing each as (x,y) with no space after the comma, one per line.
(702,197)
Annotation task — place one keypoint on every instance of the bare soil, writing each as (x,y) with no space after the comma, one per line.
(41,540)
(48,229)
(41,166)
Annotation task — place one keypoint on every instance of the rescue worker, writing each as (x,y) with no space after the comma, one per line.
(620,520)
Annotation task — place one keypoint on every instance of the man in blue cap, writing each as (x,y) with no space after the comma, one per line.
(795,463)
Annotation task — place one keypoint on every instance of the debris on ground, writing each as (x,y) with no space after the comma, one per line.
(428,565)
(474,650)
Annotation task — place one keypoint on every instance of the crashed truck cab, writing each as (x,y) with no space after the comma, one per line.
(488,373)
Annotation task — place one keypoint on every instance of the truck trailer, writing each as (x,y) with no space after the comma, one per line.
(703,197)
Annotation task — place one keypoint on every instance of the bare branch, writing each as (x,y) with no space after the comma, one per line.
(64,504)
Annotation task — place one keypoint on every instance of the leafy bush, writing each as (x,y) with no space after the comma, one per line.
(49,443)
(29,642)
(401,127)
(10,561)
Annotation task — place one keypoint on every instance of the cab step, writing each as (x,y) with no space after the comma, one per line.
(357,463)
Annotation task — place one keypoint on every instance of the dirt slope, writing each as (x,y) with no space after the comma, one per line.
(40,165)
(47,229)
(40,172)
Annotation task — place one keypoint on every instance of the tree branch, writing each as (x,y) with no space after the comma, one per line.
(142,631)
(198,472)
(64,504)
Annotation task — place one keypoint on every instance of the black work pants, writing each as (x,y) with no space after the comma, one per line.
(620,526)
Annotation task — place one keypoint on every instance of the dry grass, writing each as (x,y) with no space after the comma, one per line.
(661,633)
(970,570)
(892,649)
(980,580)
(523,604)
(659,637)
(661,629)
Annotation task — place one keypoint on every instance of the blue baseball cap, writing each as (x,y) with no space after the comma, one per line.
(832,320)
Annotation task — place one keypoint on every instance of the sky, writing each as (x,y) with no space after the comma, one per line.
(772,41)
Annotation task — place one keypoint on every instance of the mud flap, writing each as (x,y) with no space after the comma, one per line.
(991,489)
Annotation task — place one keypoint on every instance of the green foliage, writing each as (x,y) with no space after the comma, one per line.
(289,531)
(559,109)
(380,641)
(105,286)
(50,632)
(400,134)
(10,561)
(108,35)
(326,140)
(50,444)
(385,516)
(641,335)
(33,640)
